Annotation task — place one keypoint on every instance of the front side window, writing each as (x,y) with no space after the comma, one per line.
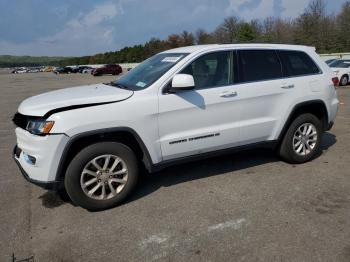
(259,65)
(149,71)
(211,70)
(297,63)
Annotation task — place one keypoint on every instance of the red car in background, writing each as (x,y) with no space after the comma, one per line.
(107,69)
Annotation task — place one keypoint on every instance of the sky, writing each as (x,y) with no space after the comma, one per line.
(86,27)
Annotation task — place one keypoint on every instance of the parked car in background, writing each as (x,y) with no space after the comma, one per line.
(63,70)
(329,61)
(20,70)
(341,68)
(48,69)
(87,70)
(107,69)
(79,69)
(34,70)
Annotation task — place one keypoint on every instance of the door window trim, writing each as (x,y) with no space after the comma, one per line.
(236,66)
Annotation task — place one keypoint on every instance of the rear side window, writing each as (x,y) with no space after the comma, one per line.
(297,63)
(259,65)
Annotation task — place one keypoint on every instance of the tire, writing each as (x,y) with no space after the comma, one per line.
(344,80)
(81,170)
(289,145)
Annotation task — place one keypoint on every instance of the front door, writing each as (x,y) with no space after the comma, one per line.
(206,118)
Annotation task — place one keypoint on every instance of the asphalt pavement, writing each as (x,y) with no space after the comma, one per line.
(247,206)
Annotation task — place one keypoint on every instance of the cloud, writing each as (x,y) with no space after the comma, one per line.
(293,8)
(89,26)
(278,8)
(84,34)
(259,9)
(70,28)
(250,9)
(98,15)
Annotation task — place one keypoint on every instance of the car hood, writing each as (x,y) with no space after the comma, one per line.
(73,97)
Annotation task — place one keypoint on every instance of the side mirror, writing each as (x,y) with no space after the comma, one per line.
(182,82)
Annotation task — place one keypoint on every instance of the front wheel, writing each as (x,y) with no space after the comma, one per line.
(101,175)
(302,140)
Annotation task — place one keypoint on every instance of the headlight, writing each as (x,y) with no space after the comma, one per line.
(39,127)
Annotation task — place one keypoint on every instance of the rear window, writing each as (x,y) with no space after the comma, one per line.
(259,65)
(297,63)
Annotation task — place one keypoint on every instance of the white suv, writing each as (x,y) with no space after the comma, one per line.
(179,105)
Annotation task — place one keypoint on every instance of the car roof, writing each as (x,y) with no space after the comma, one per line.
(201,48)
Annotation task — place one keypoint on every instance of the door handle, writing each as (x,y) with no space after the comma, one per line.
(287,86)
(228,94)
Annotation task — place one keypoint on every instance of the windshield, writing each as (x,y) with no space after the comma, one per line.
(340,64)
(149,71)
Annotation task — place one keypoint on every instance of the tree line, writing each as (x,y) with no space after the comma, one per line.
(329,33)
(314,27)
(30,61)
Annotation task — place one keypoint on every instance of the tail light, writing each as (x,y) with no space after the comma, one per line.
(335,81)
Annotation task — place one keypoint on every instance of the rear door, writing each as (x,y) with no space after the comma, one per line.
(206,118)
(264,94)
(301,71)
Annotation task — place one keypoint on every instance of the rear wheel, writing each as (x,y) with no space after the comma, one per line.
(344,80)
(301,142)
(102,175)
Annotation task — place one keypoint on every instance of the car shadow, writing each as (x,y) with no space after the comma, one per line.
(201,169)
(215,166)
(328,140)
(192,97)
(52,199)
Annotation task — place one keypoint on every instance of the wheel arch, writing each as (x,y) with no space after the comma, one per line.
(123,135)
(315,107)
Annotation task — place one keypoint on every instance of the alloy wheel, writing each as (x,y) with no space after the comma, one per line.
(344,81)
(305,139)
(104,177)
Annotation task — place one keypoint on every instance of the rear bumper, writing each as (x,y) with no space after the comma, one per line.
(333,107)
(52,185)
